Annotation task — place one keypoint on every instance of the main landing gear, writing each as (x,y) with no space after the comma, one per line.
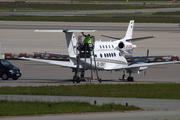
(129,79)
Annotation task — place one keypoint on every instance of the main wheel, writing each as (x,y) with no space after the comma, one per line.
(4,76)
(130,79)
(78,80)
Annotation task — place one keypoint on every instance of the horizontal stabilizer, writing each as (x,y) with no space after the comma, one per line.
(141,38)
(57,31)
(111,37)
(54,31)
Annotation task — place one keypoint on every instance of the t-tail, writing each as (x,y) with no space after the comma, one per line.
(125,44)
(70,38)
(129,32)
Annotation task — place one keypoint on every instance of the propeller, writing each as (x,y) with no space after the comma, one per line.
(147,53)
(144,72)
(147,60)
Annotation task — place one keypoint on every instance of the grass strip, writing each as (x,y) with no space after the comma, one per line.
(80,6)
(161,91)
(14,108)
(138,19)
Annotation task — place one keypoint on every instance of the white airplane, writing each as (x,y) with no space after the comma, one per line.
(108,54)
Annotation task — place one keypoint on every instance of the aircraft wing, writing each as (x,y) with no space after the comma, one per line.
(57,54)
(140,57)
(61,63)
(138,65)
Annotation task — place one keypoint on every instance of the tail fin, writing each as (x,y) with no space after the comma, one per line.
(70,38)
(129,31)
(71,43)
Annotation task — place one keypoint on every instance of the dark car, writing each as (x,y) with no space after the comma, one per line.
(7,70)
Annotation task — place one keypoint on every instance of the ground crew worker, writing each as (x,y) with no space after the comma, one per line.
(86,41)
(87,38)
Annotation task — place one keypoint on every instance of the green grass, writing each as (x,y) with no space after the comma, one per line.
(167,13)
(162,91)
(14,108)
(80,6)
(138,19)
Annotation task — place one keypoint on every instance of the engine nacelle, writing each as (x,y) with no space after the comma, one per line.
(126,46)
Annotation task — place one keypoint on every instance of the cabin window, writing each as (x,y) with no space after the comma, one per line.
(115,54)
(112,54)
(103,46)
(101,55)
(104,54)
(107,55)
(109,46)
(95,55)
(119,54)
(100,46)
(112,46)
(106,46)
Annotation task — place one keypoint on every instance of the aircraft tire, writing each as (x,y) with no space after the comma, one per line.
(78,80)
(130,79)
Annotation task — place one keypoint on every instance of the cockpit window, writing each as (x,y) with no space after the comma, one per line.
(5,63)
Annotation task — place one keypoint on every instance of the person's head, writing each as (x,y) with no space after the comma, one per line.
(88,34)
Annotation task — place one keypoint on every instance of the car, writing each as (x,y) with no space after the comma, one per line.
(7,70)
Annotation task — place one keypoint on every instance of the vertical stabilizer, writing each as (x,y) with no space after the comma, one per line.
(129,31)
(71,43)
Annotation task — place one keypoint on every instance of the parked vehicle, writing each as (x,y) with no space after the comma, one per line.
(7,70)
